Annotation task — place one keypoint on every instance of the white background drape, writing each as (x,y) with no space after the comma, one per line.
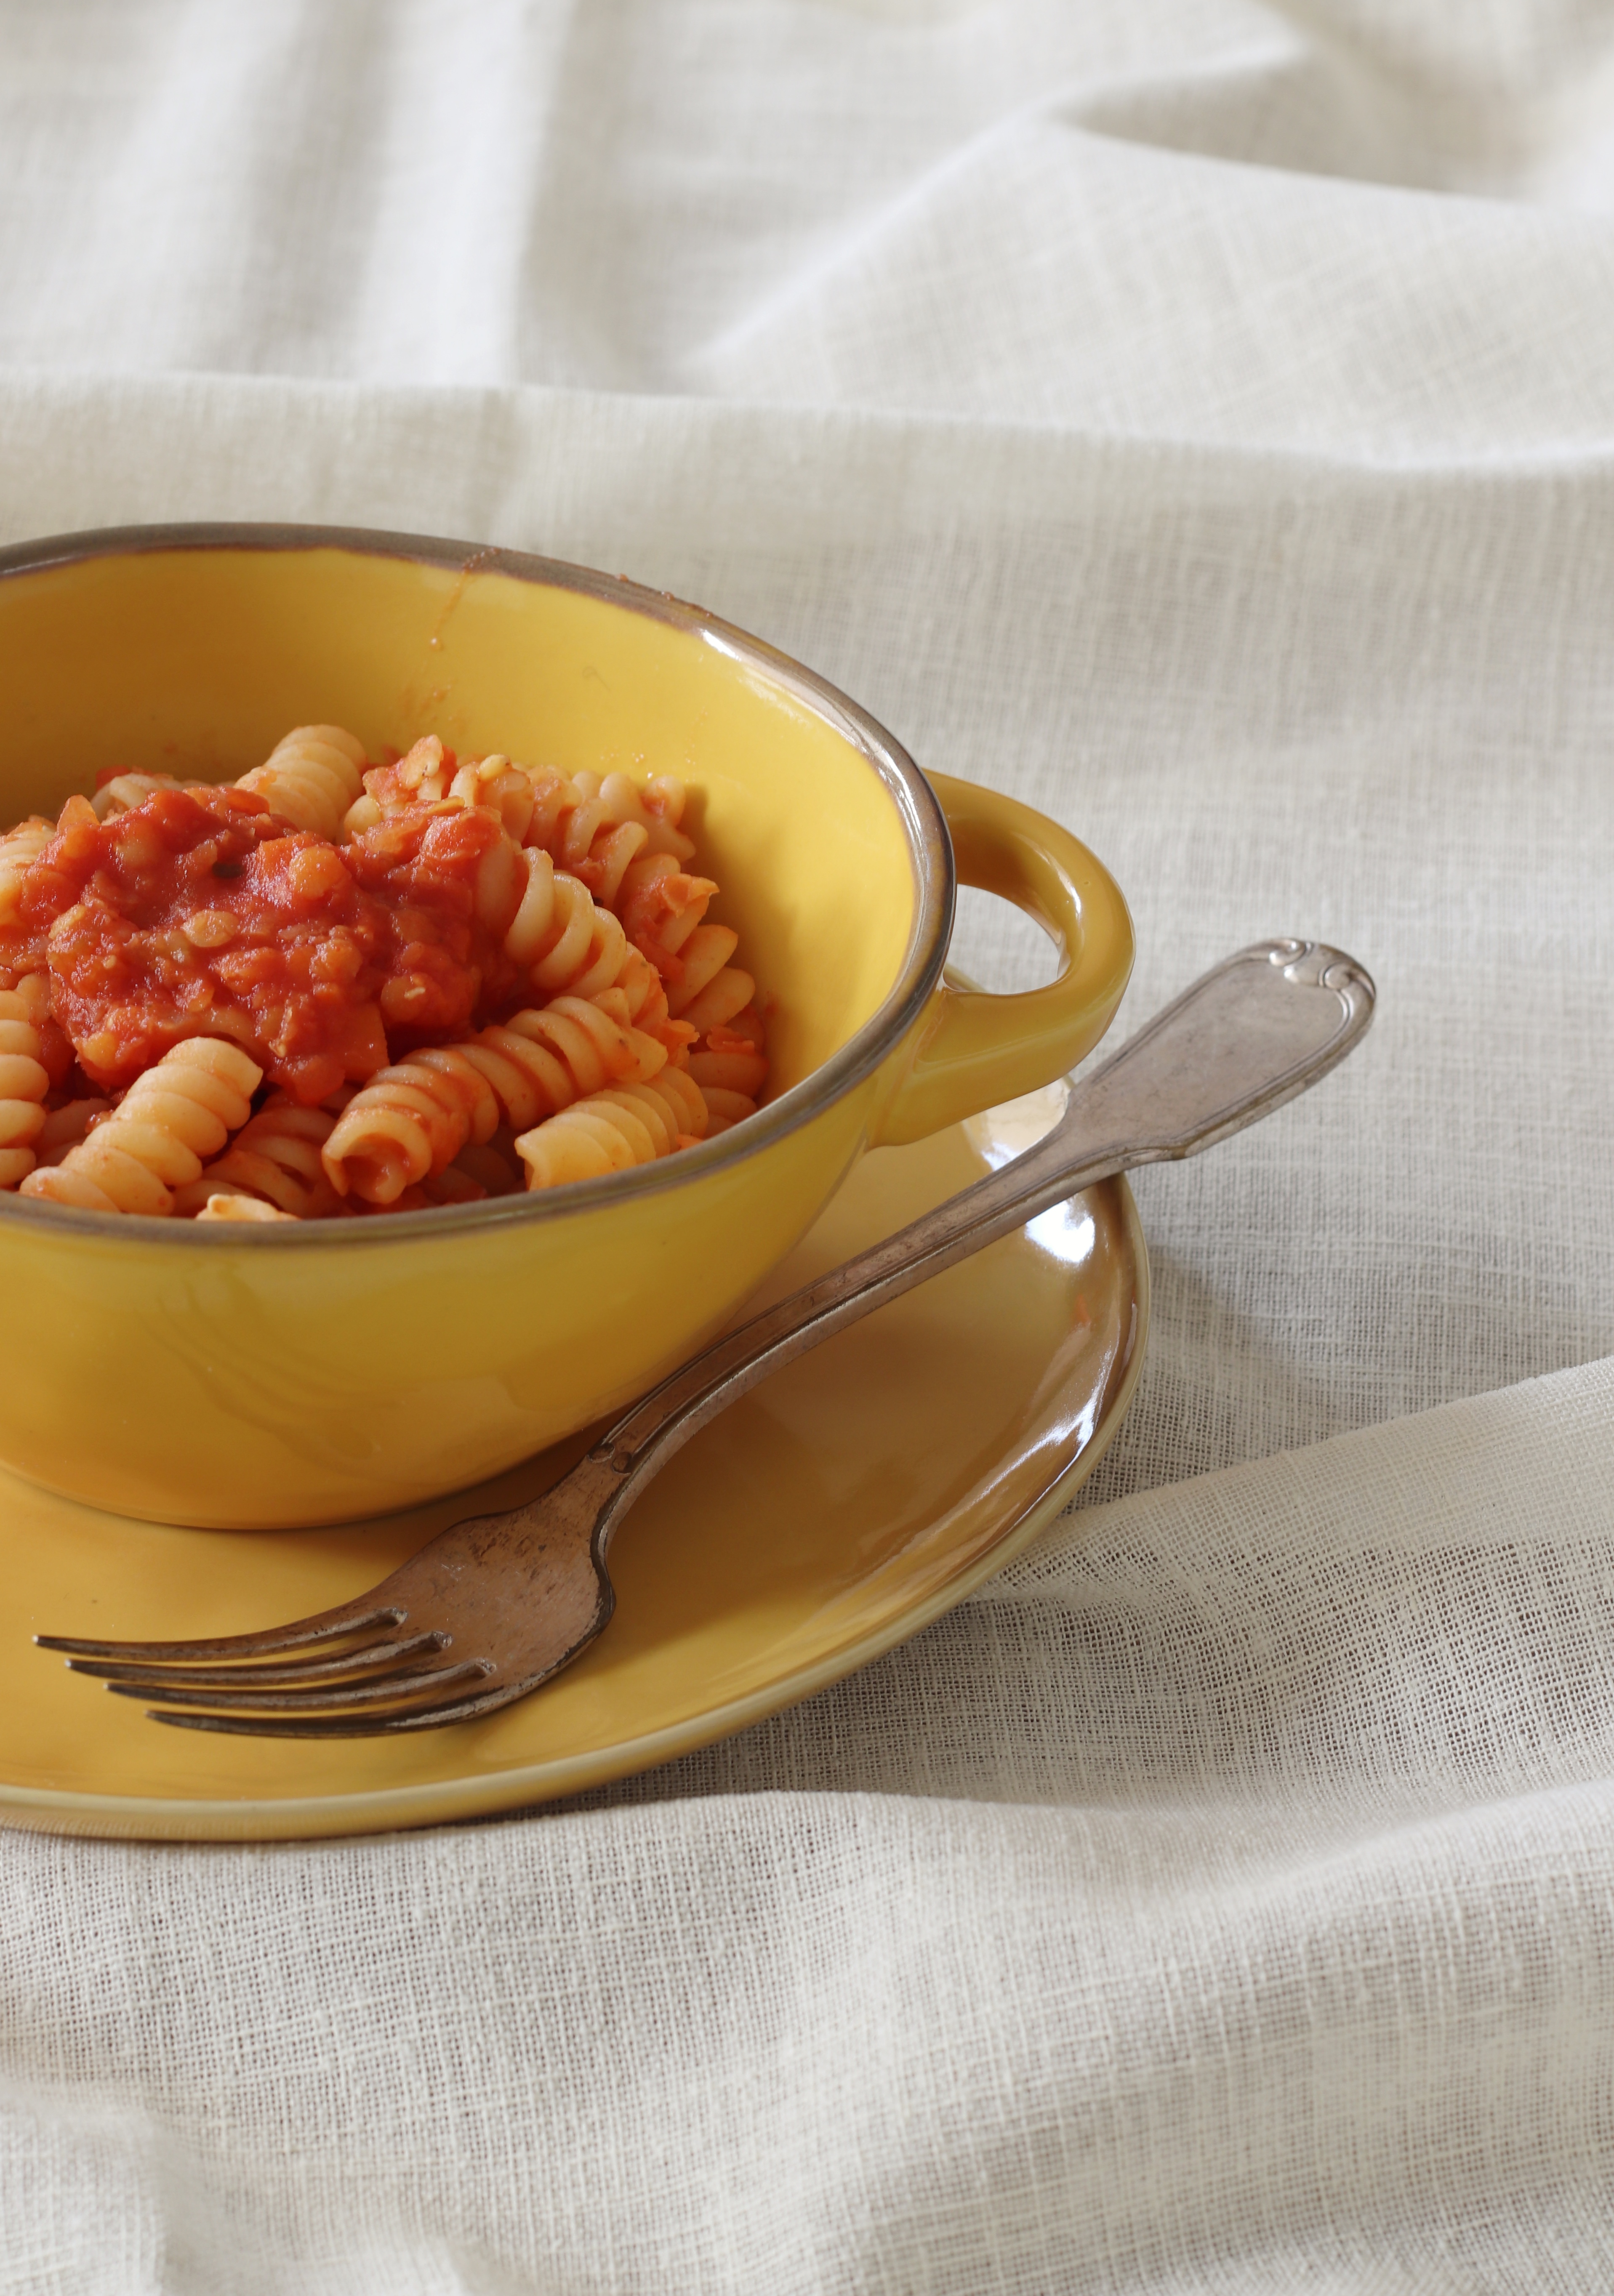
(1199,422)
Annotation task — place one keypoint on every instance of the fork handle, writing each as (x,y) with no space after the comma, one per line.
(1255,1031)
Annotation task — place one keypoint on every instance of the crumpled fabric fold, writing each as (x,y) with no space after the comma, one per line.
(1197,422)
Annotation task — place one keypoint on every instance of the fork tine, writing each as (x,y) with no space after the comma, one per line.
(271,1675)
(321,1627)
(391,1686)
(526,1590)
(357,1726)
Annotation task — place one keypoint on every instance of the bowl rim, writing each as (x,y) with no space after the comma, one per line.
(929,858)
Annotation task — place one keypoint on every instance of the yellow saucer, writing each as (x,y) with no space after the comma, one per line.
(836,1510)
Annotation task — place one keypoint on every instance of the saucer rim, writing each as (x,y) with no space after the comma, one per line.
(492,1794)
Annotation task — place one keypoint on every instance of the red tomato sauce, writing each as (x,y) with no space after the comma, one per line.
(199,913)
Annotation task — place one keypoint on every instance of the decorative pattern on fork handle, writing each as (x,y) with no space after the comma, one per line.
(496,1605)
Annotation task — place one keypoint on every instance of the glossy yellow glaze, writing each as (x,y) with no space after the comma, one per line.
(973,1049)
(239,1378)
(842,1505)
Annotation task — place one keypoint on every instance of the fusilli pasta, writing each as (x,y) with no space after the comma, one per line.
(18,847)
(564,942)
(310,777)
(730,1066)
(611,1130)
(274,1158)
(125,792)
(413,1118)
(582,834)
(65,1126)
(24,1080)
(661,908)
(426,775)
(181,1110)
(709,991)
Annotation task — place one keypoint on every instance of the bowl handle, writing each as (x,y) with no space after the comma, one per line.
(974,1049)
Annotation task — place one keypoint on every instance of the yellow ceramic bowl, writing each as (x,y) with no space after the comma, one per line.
(241,1376)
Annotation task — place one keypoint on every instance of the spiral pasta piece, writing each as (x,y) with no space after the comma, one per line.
(655,806)
(661,906)
(498,786)
(613,1130)
(310,777)
(65,1128)
(595,828)
(24,1080)
(428,774)
(575,1038)
(560,936)
(412,1120)
(702,958)
(420,776)
(582,834)
(730,1055)
(566,943)
(730,1064)
(724,1108)
(708,991)
(125,792)
(18,847)
(180,1110)
(275,1158)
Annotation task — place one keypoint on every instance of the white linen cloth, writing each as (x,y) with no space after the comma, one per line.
(1198,422)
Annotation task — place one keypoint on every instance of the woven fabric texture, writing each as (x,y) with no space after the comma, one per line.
(1198,423)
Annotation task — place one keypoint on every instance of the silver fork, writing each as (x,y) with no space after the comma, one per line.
(496,1605)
